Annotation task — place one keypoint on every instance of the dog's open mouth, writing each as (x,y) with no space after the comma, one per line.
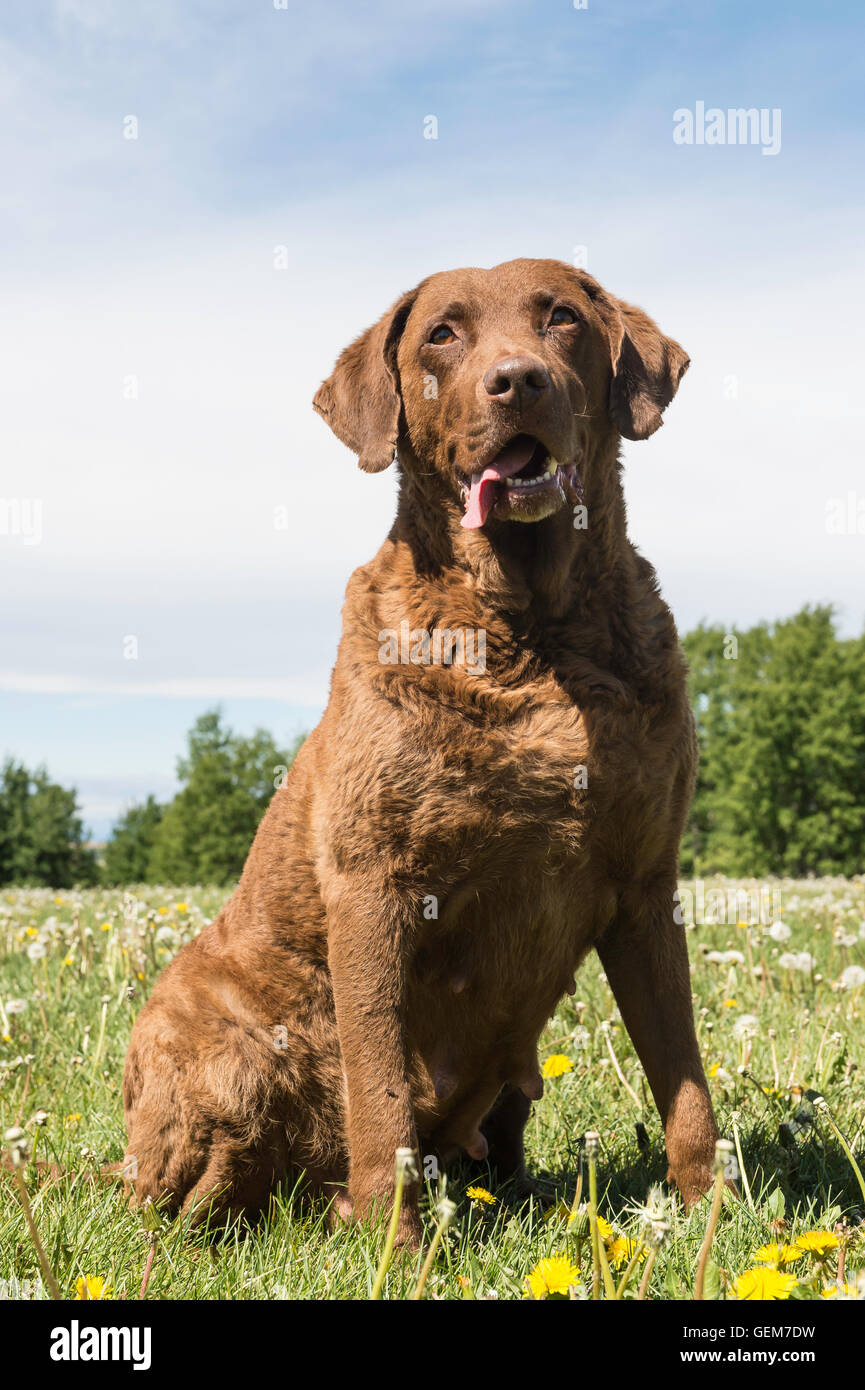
(523,475)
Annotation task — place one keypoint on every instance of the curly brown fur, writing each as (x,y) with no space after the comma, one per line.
(422,890)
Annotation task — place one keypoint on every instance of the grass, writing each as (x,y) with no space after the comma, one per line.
(775,1031)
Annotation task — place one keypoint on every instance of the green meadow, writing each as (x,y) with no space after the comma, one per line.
(779,1008)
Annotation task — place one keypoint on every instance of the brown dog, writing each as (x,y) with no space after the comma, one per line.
(498,784)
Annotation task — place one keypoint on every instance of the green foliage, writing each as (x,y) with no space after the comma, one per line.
(41,834)
(781,788)
(128,852)
(204,834)
(781,723)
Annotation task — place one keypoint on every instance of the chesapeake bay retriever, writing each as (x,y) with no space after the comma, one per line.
(498,783)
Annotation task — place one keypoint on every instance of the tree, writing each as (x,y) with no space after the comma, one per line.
(41,834)
(128,852)
(781,722)
(205,833)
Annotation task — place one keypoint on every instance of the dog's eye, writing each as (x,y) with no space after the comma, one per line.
(442,334)
(561,316)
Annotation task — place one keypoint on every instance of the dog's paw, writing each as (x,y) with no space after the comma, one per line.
(525,1185)
(695,1185)
(376,1209)
(341,1206)
(409,1232)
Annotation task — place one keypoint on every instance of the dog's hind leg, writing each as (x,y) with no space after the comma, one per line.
(236,1181)
(503,1130)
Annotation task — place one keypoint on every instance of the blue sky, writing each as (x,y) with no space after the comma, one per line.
(153,260)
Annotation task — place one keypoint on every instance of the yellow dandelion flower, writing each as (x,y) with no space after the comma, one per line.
(7,1037)
(92,1286)
(106,926)
(31,931)
(774,1254)
(764,1283)
(817,1242)
(622,1250)
(844,1291)
(163,911)
(552,1276)
(560,1212)
(606,1230)
(731,1003)
(181,907)
(68,961)
(481,1196)
(72,1119)
(557,1065)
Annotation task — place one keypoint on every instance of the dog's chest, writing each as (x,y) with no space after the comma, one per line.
(541,818)
(555,780)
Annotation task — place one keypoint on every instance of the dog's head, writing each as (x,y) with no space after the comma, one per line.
(501,381)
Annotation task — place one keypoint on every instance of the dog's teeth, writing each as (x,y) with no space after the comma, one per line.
(552,466)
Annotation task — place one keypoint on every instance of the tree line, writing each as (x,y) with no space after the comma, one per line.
(780,711)
(201,836)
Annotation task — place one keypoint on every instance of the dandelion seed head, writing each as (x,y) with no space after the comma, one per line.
(746,1026)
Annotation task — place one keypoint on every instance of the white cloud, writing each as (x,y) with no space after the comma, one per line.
(181,487)
(307,690)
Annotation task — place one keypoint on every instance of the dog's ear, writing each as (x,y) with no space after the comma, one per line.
(647,369)
(360,399)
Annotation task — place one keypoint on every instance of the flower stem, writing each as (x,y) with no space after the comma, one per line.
(600,1267)
(743,1175)
(647,1274)
(53,1286)
(623,1282)
(97,1056)
(402,1165)
(821,1106)
(148,1266)
(575,1205)
(723,1150)
(447,1211)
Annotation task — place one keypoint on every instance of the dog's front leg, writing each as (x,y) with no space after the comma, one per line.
(368,952)
(645,958)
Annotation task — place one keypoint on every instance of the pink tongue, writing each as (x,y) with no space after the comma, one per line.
(484,486)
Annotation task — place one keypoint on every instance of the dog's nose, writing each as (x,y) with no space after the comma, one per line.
(516,381)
